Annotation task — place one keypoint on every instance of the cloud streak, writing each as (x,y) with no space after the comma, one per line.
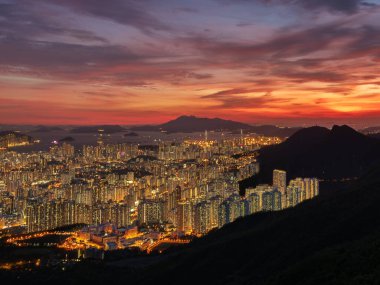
(158,57)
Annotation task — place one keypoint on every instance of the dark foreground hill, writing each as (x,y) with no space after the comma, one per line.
(328,240)
(375,136)
(319,152)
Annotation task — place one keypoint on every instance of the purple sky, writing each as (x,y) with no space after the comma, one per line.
(128,62)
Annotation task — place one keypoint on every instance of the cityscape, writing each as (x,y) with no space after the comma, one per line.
(225,142)
(141,195)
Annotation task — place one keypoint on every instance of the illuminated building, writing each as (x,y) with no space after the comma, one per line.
(279,180)
(202,218)
(254,203)
(224,213)
(309,187)
(10,139)
(192,187)
(184,216)
(122,215)
(214,210)
(293,195)
(150,212)
(234,202)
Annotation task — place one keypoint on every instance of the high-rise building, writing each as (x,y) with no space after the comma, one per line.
(185,219)
(122,215)
(150,212)
(214,211)
(202,218)
(279,180)
(254,203)
(309,187)
(235,209)
(224,213)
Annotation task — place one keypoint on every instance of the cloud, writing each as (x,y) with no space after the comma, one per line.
(134,13)
(345,6)
(282,72)
(22,20)
(242,98)
(342,6)
(282,45)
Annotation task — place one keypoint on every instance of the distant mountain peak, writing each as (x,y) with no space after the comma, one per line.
(186,117)
(191,123)
(195,118)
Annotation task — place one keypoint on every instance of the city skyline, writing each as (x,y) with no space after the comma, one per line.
(147,62)
(190,142)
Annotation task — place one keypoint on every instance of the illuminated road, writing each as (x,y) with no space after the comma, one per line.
(18,239)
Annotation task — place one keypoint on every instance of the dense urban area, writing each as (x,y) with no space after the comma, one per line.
(144,197)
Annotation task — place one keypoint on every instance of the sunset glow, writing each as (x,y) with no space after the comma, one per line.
(139,62)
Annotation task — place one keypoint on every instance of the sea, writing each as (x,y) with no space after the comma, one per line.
(48,139)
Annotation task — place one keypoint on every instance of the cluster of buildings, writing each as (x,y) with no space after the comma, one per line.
(281,195)
(201,215)
(189,187)
(10,139)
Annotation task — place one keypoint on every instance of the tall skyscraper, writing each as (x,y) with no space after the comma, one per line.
(279,180)
(202,217)
(150,211)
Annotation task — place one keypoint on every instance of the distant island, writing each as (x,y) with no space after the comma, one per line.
(109,129)
(67,139)
(189,124)
(131,134)
(47,129)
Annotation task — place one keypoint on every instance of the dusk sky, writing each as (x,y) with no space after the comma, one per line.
(287,62)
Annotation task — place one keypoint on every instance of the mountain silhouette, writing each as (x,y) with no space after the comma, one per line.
(319,152)
(188,124)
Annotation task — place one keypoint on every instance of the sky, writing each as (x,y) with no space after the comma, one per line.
(285,62)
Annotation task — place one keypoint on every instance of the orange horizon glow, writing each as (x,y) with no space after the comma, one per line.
(76,64)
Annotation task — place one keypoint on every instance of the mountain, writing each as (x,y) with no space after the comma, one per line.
(319,152)
(109,129)
(46,129)
(67,139)
(188,124)
(131,134)
(327,240)
(12,133)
